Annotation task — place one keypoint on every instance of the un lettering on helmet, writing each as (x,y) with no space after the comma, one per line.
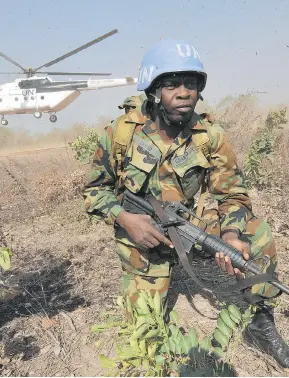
(186,51)
(146,74)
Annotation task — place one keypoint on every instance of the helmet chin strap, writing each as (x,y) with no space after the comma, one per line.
(158,97)
(164,115)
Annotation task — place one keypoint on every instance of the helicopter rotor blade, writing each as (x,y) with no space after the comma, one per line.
(12,61)
(75,51)
(76,73)
(11,73)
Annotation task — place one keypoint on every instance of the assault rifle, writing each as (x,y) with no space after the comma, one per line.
(170,219)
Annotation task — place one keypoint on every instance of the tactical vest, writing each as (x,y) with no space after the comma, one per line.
(123,135)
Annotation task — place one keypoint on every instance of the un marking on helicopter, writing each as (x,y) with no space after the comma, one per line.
(40,94)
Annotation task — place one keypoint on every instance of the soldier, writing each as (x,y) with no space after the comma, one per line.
(170,151)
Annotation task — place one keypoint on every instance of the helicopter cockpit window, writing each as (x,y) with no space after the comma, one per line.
(27,84)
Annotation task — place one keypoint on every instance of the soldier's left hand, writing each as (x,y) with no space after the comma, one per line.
(224,262)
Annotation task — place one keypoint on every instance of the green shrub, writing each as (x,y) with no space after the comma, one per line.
(84,147)
(262,147)
(148,346)
(5,258)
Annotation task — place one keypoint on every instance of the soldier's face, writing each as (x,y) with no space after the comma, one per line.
(179,96)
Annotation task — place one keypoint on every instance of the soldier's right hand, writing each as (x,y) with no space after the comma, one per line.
(140,229)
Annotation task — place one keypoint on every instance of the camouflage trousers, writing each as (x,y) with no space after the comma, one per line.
(152,270)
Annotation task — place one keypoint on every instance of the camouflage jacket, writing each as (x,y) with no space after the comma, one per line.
(174,173)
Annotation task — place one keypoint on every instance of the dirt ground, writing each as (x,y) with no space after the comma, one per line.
(70,274)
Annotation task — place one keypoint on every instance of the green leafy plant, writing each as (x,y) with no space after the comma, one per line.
(147,345)
(262,147)
(7,289)
(275,119)
(84,147)
(5,258)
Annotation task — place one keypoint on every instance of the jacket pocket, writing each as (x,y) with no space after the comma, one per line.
(190,169)
(141,159)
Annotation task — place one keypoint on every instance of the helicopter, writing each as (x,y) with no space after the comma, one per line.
(38,93)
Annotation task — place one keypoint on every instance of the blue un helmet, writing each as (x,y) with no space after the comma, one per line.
(169,56)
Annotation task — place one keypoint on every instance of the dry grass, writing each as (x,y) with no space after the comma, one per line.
(23,140)
(62,261)
(69,270)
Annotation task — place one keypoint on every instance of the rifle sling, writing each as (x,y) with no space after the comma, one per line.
(176,240)
(253,280)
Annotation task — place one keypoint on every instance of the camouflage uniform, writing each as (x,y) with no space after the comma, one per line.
(174,173)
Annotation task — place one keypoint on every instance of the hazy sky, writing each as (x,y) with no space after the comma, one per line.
(244,45)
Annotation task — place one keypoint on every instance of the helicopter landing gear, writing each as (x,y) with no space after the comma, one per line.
(37,114)
(53,118)
(4,122)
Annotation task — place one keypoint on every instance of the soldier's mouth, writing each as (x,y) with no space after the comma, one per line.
(183,108)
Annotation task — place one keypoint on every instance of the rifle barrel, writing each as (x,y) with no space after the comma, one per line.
(212,244)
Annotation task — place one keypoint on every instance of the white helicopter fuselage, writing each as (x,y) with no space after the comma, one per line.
(29,101)
(41,94)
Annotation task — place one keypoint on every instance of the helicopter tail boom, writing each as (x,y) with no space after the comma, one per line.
(108,83)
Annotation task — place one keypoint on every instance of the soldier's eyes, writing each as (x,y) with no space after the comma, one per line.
(171,85)
(189,83)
